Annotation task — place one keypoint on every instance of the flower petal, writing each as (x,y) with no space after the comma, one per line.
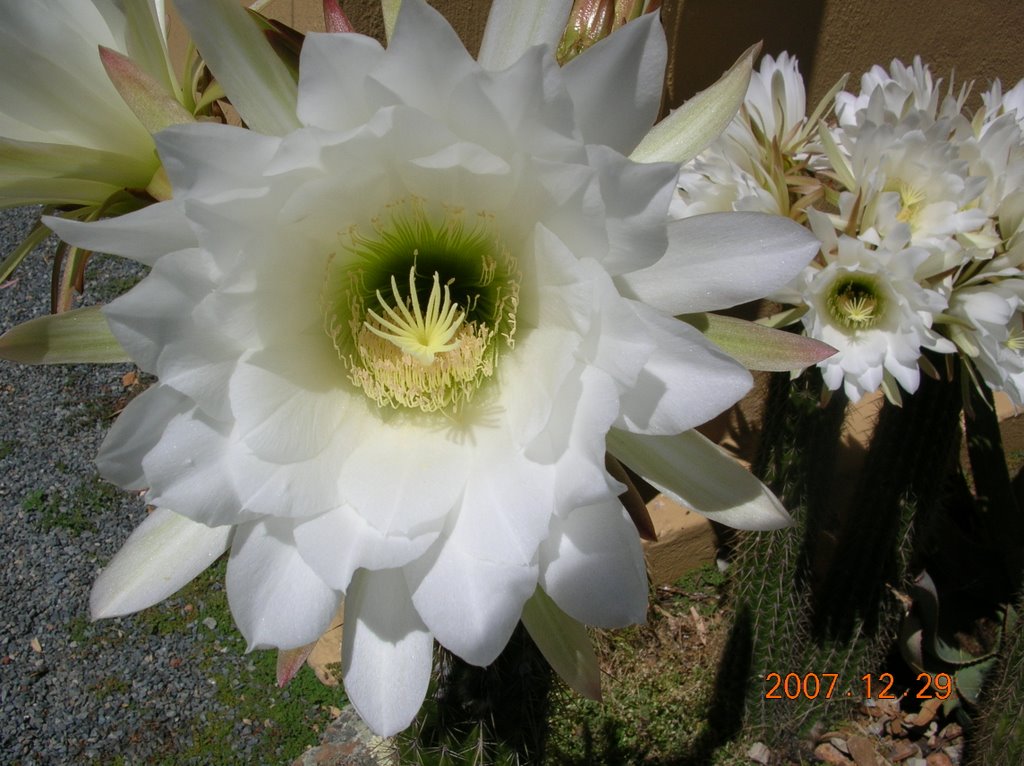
(136,431)
(332,79)
(686,381)
(164,553)
(275,598)
(386,653)
(143,236)
(337,543)
(616,84)
(424,36)
(288,403)
(515,25)
(470,604)
(592,565)
(700,475)
(718,260)
(56,89)
(152,316)
(204,159)
(471,587)
(392,476)
(186,469)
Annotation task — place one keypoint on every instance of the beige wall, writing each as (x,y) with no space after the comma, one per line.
(979,39)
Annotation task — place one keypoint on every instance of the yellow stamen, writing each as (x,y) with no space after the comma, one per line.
(1015,341)
(912,200)
(418,334)
(859,309)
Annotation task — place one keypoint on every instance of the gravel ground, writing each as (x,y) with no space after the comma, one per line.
(72,691)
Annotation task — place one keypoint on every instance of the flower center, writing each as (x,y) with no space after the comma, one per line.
(1015,340)
(420,311)
(855,302)
(421,336)
(912,200)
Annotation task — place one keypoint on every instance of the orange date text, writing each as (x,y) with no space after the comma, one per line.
(881,686)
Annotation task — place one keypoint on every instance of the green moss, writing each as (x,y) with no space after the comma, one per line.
(659,686)
(110,686)
(285,721)
(7,447)
(72,511)
(79,629)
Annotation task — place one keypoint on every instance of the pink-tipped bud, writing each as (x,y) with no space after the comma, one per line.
(155,108)
(335,19)
(290,662)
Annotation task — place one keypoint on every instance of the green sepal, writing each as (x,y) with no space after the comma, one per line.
(154,106)
(290,662)
(564,642)
(389,9)
(37,173)
(74,337)
(758,347)
(688,130)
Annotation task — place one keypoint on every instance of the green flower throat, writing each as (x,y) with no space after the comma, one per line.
(856,301)
(420,310)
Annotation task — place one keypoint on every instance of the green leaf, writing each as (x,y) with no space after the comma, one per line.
(77,336)
(258,84)
(564,643)
(689,130)
(757,347)
(35,237)
(971,680)
(924,624)
(155,107)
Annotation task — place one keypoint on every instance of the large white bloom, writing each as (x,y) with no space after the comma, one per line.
(394,344)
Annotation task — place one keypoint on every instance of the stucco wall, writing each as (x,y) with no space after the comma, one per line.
(979,39)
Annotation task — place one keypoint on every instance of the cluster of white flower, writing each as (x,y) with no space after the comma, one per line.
(918,207)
